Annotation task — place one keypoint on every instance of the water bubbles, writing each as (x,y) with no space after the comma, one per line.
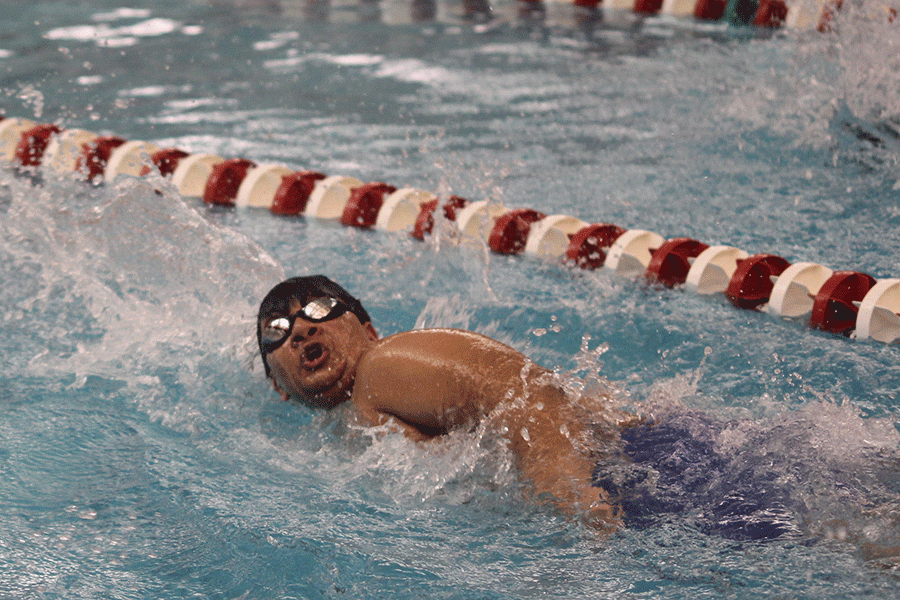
(32,97)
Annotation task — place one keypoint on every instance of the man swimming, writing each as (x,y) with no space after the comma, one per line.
(320,349)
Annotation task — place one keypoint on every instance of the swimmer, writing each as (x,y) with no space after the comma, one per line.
(320,349)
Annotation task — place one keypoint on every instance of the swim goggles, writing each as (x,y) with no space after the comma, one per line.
(277,329)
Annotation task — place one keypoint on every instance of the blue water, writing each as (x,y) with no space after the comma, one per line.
(143,454)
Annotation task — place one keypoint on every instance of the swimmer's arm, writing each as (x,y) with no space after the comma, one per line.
(548,445)
(421,392)
(431,382)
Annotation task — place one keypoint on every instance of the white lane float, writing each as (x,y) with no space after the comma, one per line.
(878,316)
(400,209)
(11,130)
(476,220)
(632,252)
(550,236)
(795,289)
(130,158)
(329,196)
(193,171)
(260,185)
(837,301)
(678,8)
(64,149)
(713,269)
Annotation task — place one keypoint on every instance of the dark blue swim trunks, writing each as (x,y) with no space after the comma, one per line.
(672,468)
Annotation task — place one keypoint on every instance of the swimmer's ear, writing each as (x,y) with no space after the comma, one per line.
(370,331)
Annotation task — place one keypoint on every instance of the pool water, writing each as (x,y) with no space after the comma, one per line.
(143,453)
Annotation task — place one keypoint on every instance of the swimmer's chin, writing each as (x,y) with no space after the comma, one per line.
(327,399)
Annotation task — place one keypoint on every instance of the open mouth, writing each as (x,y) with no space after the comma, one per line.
(314,355)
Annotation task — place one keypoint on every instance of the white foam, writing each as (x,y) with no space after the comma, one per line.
(145,284)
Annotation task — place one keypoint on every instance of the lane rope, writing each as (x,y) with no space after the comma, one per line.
(849,303)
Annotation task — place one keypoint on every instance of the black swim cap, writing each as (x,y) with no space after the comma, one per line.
(302,290)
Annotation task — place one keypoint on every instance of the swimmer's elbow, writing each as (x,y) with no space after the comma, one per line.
(417,432)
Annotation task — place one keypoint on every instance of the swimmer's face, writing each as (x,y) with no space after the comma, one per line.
(316,364)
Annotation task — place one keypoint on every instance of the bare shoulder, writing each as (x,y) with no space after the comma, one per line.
(436,379)
(454,349)
(443,339)
(431,380)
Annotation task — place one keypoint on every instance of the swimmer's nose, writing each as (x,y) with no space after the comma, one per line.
(302,331)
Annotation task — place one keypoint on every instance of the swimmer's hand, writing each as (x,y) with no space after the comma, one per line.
(604,518)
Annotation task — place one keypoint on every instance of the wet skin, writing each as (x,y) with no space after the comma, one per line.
(427,382)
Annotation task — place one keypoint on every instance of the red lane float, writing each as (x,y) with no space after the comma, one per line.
(364,203)
(672,261)
(33,144)
(165,161)
(225,180)
(751,285)
(292,195)
(510,231)
(709,10)
(589,245)
(826,18)
(425,221)
(647,7)
(770,13)
(834,309)
(95,155)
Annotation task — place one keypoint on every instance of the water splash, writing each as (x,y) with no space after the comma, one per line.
(445,312)
(32,97)
(456,468)
(126,283)
(867,38)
